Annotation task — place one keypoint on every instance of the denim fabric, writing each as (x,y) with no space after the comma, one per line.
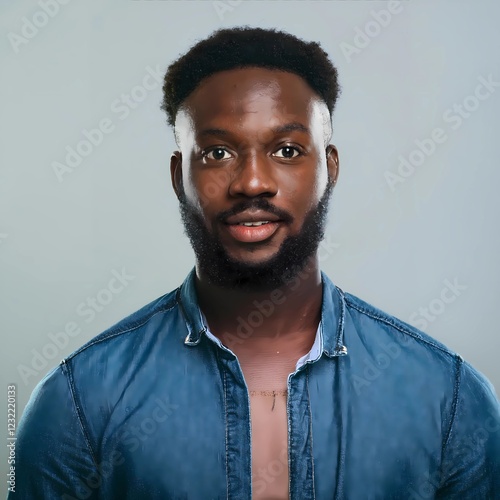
(154,408)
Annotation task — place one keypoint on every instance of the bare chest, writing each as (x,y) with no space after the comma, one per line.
(267,385)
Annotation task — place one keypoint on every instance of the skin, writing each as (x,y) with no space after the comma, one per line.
(252,158)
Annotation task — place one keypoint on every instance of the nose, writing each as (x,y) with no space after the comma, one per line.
(253,177)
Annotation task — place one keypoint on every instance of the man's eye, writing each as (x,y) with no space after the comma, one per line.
(217,154)
(287,152)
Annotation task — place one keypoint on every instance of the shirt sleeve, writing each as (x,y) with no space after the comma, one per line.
(53,456)
(471,458)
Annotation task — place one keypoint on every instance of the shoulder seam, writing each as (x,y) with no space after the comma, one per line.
(69,378)
(454,406)
(386,320)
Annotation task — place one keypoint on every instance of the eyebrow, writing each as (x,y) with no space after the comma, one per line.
(291,127)
(288,127)
(213,131)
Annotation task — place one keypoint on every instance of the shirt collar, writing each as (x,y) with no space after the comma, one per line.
(313,354)
(329,337)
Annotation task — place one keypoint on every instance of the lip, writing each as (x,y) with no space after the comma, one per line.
(253,234)
(252,216)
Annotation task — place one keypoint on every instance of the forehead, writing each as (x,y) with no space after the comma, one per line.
(245,96)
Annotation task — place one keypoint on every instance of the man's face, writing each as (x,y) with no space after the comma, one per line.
(254,175)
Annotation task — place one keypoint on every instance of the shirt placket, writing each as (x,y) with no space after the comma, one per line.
(300,445)
(238,428)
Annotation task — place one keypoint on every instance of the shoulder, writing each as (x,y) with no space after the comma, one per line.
(91,381)
(363,314)
(373,331)
(385,352)
(115,359)
(137,324)
(107,357)
(369,320)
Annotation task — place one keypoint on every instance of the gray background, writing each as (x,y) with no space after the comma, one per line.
(61,241)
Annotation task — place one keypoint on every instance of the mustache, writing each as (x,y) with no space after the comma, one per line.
(256,203)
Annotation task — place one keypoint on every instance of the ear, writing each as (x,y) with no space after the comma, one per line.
(332,162)
(176,171)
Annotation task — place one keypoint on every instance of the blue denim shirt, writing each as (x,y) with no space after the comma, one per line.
(158,408)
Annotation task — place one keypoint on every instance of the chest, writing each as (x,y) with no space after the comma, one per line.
(267,385)
(269,444)
(203,426)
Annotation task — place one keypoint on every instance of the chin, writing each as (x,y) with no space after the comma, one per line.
(253,258)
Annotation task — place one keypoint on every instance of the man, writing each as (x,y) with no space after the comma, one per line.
(258,377)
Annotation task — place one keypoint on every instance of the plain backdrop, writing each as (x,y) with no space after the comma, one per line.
(63,236)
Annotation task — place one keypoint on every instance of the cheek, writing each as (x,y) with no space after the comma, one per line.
(209,187)
(195,194)
(322,177)
(303,190)
(318,183)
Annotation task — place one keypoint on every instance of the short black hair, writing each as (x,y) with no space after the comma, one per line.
(241,47)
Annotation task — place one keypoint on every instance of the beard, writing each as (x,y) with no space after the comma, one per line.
(291,258)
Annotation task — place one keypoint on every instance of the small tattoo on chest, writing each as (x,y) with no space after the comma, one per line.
(269,393)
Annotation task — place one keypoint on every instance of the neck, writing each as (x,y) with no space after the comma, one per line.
(284,318)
